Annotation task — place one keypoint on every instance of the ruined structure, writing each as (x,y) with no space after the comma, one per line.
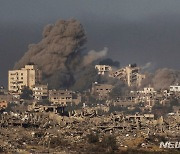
(130,75)
(101,90)
(103,69)
(64,97)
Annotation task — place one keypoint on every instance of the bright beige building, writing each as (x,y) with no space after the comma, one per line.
(27,76)
(103,69)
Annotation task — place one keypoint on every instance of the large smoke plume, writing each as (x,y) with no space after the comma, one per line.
(162,78)
(60,56)
(59,53)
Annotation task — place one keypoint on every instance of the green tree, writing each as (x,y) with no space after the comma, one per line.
(26,93)
(109,142)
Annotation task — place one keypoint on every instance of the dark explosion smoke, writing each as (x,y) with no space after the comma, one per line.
(59,53)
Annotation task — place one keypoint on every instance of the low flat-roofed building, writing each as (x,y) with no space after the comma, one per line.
(149,90)
(103,69)
(175,88)
(140,116)
(146,91)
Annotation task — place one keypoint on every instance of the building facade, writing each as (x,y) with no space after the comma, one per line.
(175,88)
(103,69)
(134,78)
(40,92)
(60,97)
(101,90)
(27,76)
(130,75)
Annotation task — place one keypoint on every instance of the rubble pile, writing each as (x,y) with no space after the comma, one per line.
(50,132)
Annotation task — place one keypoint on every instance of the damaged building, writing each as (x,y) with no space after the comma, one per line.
(101,90)
(103,69)
(130,75)
(64,97)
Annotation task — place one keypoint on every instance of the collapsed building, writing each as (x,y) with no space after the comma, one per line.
(129,74)
(103,69)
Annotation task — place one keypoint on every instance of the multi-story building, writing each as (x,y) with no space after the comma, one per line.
(103,69)
(64,97)
(60,97)
(3,104)
(40,92)
(129,74)
(134,78)
(101,90)
(27,76)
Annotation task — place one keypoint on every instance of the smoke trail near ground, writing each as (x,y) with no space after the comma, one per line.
(162,78)
(165,77)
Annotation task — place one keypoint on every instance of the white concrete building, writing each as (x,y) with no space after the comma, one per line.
(149,90)
(60,97)
(175,88)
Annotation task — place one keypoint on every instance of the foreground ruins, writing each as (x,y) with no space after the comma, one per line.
(47,132)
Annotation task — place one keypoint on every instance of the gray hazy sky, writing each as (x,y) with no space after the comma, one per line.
(139,31)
